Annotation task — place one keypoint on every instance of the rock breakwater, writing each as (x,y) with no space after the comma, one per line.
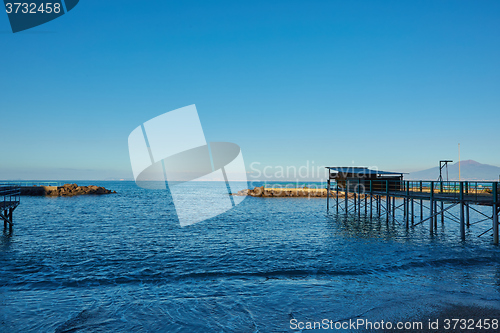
(286,192)
(67,190)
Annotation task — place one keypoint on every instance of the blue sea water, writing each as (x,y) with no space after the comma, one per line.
(122,263)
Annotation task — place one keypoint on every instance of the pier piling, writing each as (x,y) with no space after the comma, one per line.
(328,196)
(9,200)
(495,213)
(462,212)
(431,219)
(441,196)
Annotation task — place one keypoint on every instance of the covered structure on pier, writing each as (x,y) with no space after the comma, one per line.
(355,179)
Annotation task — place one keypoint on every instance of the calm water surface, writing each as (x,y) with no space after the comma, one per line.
(122,263)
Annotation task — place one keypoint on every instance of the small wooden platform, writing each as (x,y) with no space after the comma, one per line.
(9,200)
(9,204)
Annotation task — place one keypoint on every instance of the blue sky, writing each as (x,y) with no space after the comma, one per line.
(393,84)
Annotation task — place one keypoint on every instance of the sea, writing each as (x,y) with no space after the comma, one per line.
(122,263)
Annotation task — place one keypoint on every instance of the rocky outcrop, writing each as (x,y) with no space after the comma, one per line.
(74,189)
(303,192)
(67,190)
(287,192)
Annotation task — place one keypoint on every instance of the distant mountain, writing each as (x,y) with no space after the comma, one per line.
(470,170)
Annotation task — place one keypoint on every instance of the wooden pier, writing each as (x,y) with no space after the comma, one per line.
(9,200)
(375,192)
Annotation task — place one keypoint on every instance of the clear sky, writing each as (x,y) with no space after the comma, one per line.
(393,84)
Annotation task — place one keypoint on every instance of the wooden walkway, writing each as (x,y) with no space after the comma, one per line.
(9,204)
(432,198)
(9,200)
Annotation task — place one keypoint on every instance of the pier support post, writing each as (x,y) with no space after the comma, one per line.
(358,190)
(387,199)
(431,207)
(407,205)
(404,208)
(412,212)
(327,196)
(495,212)
(467,208)
(337,196)
(462,215)
(393,207)
(421,204)
(441,203)
(379,206)
(358,193)
(436,218)
(442,213)
(405,212)
(366,202)
(467,214)
(495,224)
(409,209)
(371,200)
(11,210)
(346,199)
(359,204)
(371,206)
(355,203)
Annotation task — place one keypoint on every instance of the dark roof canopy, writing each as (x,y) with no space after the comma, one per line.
(362,171)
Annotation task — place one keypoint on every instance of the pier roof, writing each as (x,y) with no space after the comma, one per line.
(362,170)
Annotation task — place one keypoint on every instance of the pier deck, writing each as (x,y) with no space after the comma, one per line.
(9,204)
(433,200)
(9,200)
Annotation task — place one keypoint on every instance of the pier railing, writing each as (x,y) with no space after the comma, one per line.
(440,197)
(470,191)
(9,194)
(30,184)
(10,198)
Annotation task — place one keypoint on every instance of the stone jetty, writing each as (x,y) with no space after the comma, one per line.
(287,192)
(67,190)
